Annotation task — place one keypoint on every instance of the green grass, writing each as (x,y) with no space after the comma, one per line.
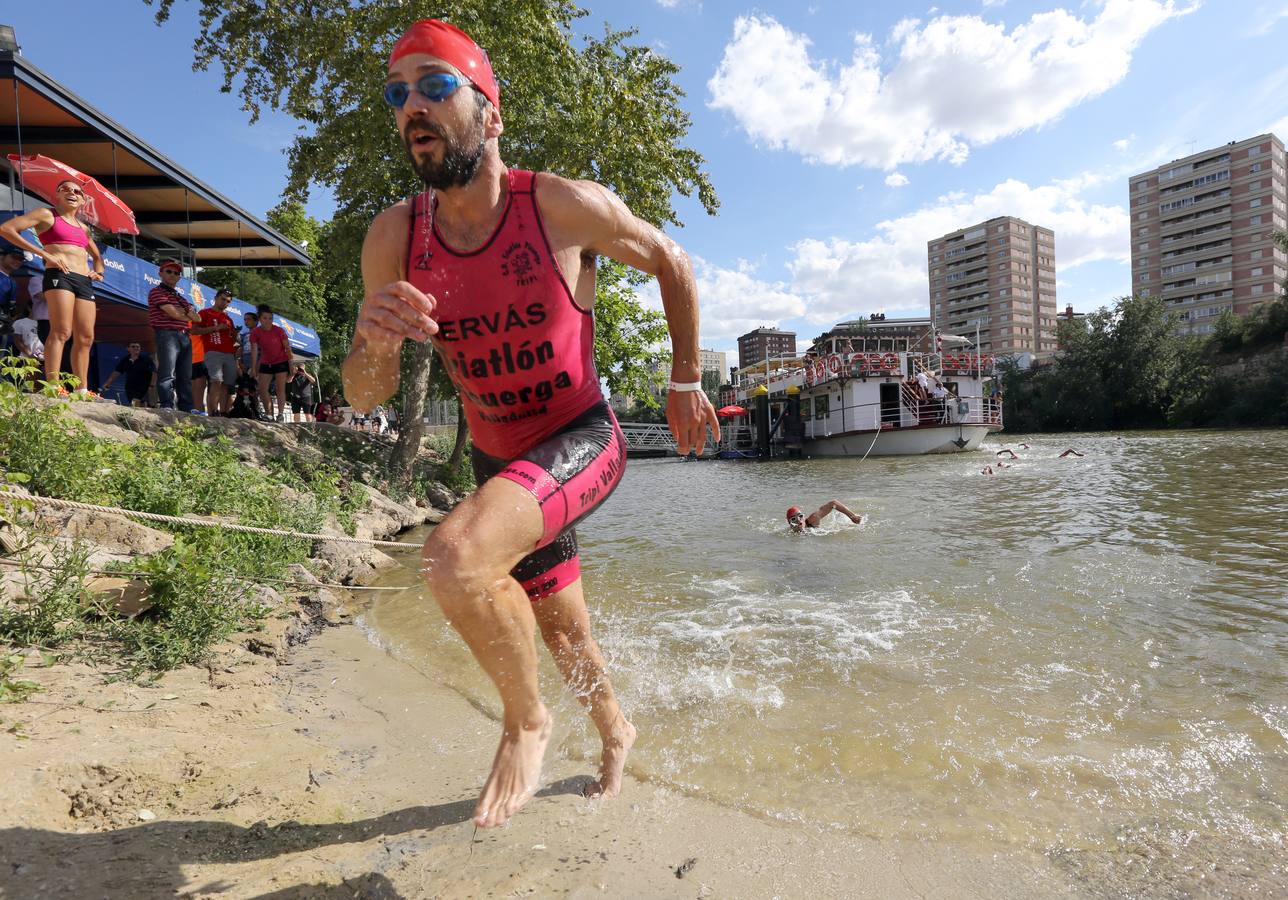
(202,587)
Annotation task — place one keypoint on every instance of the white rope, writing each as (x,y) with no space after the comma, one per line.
(209,523)
(256,579)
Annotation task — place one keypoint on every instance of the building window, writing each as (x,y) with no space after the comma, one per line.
(1254,151)
(1255,254)
(1258,289)
(820,406)
(1255,273)
(1256,167)
(1254,202)
(1144,276)
(1255,220)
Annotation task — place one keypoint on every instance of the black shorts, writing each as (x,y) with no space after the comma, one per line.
(58,280)
(199,370)
(274,369)
(570,473)
(302,406)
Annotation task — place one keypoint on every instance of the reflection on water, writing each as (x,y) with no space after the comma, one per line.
(1075,654)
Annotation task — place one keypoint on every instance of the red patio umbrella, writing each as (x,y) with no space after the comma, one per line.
(729,411)
(102,209)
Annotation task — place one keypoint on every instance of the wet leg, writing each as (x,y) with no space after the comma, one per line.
(467,561)
(565,627)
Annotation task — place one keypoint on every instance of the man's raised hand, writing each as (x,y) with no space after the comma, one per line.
(688,413)
(399,311)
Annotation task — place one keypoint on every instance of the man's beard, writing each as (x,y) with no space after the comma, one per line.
(461,156)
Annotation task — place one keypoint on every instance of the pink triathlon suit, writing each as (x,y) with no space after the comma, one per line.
(521,354)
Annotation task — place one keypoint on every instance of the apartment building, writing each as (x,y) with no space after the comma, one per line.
(714,361)
(1202,230)
(998,276)
(755,346)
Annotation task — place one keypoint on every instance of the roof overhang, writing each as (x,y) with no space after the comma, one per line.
(173,207)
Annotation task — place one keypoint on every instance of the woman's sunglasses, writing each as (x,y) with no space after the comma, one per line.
(73,191)
(434,87)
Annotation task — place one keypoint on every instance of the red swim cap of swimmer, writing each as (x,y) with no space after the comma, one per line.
(793,511)
(451,45)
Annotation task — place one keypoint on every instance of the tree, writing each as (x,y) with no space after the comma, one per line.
(599,108)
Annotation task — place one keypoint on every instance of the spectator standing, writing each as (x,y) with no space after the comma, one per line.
(67,248)
(171,316)
(10,263)
(140,374)
(271,360)
(245,404)
(221,349)
(249,321)
(301,390)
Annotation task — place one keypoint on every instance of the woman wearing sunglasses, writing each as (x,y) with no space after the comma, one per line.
(67,248)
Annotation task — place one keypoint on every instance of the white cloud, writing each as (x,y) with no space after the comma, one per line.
(956,82)
(838,279)
(1266,19)
(896,180)
(734,301)
(1280,129)
(1123,144)
(842,279)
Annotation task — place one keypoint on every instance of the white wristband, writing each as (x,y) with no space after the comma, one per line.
(684,386)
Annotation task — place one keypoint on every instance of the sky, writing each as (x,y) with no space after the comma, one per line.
(840,137)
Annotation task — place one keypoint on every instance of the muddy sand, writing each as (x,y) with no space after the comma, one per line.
(339,771)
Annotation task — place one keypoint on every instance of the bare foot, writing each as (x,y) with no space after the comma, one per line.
(516,770)
(611,764)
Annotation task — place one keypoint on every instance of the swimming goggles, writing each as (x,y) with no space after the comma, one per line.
(435,87)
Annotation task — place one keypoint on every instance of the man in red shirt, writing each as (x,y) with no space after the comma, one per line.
(270,360)
(217,332)
(498,267)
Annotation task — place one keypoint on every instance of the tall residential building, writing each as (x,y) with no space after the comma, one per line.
(713,361)
(998,275)
(1202,230)
(755,346)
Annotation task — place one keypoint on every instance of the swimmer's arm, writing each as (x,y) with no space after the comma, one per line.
(392,311)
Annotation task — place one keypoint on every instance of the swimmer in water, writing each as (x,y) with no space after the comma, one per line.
(1069,452)
(1007,454)
(798,521)
(987,470)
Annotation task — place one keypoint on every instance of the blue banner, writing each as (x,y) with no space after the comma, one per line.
(129,278)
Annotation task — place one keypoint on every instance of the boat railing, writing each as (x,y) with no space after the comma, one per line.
(977,410)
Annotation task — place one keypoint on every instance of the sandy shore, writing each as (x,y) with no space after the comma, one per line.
(342,772)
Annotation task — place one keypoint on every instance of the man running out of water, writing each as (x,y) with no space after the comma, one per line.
(497,267)
(798,521)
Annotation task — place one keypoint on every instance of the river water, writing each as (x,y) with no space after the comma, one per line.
(1084,656)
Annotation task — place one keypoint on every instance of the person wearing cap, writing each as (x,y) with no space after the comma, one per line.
(798,521)
(497,266)
(171,316)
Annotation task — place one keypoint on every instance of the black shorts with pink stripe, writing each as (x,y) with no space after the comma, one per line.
(570,473)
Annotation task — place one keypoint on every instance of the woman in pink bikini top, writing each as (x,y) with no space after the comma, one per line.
(67,248)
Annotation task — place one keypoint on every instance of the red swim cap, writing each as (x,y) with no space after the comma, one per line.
(793,511)
(451,45)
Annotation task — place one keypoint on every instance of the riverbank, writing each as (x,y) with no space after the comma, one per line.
(339,771)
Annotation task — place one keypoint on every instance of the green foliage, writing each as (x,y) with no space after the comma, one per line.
(199,597)
(459,478)
(1127,367)
(14,690)
(200,585)
(628,337)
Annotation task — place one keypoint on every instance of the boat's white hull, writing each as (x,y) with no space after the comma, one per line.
(901,441)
